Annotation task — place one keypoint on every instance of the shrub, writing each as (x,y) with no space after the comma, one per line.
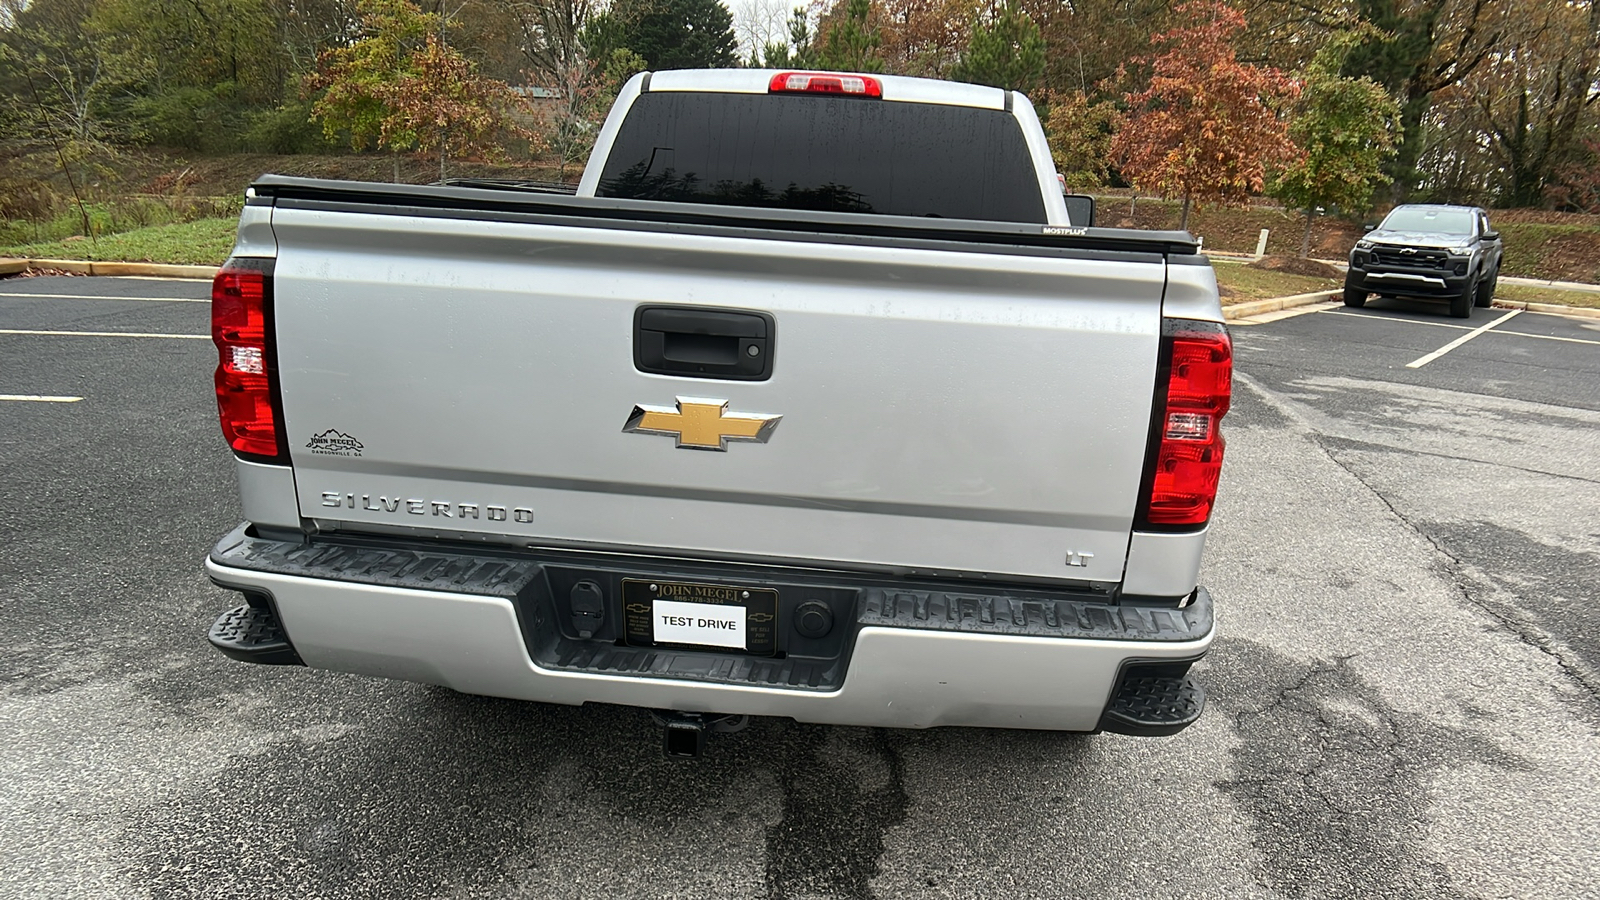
(287,129)
(187,118)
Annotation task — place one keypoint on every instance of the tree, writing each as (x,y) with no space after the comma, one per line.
(1532,93)
(445,107)
(667,34)
(1417,48)
(923,37)
(53,67)
(351,82)
(791,51)
(801,52)
(1347,128)
(572,132)
(191,71)
(1576,186)
(851,44)
(1208,126)
(761,25)
(399,86)
(1089,40)
(550,38)
(1080,139)
(1006,51)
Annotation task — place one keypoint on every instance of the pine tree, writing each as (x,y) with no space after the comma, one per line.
(1006,52)
(852,45)
(667,34)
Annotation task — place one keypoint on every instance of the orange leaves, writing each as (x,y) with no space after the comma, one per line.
(1208,126)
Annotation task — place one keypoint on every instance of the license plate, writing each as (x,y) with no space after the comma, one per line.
(684,614)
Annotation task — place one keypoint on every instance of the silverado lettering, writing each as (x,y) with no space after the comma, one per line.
(418,507)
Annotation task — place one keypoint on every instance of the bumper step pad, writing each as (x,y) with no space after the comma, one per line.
(252,634)
(1153,705)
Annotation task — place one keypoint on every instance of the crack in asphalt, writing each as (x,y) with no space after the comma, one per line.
(1356,444)
(1334,781)
(1451,565)
(1454,568)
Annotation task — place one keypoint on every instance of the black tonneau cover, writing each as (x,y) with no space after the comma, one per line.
(519,204)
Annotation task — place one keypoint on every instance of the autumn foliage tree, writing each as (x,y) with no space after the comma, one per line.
(447,109)
(1208,127)
(924,37)
(400,86)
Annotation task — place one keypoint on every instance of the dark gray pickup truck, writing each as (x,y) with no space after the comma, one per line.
(1427,252)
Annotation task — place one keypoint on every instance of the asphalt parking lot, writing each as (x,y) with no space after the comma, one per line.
(1405,695)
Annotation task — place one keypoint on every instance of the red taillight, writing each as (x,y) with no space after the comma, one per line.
(1186,460)
(244,376)
(825,83)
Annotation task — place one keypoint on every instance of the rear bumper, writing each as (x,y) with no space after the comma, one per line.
(898,666)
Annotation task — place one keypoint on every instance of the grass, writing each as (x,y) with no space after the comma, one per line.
(204,242)
(1244,284)
(1528,294)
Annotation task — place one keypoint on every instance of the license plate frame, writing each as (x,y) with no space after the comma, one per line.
(759,604)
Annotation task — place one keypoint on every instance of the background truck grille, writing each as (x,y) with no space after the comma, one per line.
(1420,259)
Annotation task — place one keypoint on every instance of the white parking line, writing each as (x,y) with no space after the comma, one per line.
(1546,337)
(1537,337)
(1421,361)
(1369,316)
(137,334)
(103,297)
(39,398)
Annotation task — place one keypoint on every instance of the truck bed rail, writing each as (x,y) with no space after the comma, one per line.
(513,204)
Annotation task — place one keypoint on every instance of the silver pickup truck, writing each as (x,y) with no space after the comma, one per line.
(812,402)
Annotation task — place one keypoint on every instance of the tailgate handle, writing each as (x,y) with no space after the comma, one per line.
(699,342)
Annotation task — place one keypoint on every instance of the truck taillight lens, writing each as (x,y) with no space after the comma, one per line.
(240,308)
(825,83)
(1195,386)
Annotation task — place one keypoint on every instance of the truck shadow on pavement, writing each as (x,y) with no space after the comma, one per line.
(437,793)
(363,788)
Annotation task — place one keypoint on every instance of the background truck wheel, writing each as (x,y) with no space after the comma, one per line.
(1461,305)
(1486,290)
(1355,298)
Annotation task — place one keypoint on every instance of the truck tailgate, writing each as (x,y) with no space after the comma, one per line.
(941,410)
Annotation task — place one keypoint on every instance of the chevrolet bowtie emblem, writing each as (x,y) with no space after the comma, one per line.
(700,424)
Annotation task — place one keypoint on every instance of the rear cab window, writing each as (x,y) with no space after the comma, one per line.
(824,153)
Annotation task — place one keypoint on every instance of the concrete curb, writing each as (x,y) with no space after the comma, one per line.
(1257,307)
(1558,285)
(86,267)
(1580,312)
